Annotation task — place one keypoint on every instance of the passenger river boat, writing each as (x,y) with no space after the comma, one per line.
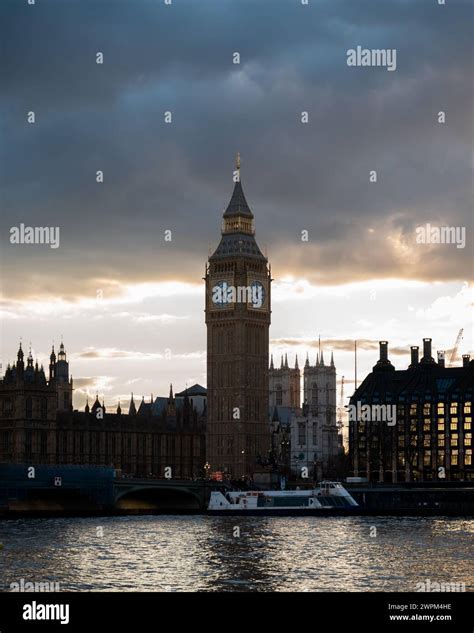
(327,498)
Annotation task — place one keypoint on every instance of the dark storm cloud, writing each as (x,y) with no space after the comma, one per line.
(178,176)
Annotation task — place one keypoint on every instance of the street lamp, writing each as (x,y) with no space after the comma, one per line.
(207,467)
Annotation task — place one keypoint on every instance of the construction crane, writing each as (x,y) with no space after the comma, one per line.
(340,423)
(455,348)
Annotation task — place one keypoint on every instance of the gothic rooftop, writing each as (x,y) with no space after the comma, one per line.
(238,234)
(238,244)
(238,204)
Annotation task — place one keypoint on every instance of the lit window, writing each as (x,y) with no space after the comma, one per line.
(426,440)
(468,439)
(454,440)
(440,440)
(454,458)
(468,457)
(453,408)
(467,407)
(454,425)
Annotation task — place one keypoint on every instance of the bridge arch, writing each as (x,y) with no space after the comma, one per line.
(142,498)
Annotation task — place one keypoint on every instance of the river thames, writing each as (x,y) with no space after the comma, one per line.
(199,553)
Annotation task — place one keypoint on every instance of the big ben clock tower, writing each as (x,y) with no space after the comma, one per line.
(238,319)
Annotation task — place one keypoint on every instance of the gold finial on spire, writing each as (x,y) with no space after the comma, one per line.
(237,160)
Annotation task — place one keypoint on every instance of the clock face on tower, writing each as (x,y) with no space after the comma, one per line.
(220,294)
(225,295)
(257,294)
(258,291)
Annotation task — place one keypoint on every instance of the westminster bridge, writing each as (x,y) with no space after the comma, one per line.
(46,489)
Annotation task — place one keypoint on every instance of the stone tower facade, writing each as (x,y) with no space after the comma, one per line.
(28,408)
(238,308)
(319,389)
(59,377)
(284,384)
(314,434)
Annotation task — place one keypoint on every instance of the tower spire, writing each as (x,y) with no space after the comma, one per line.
(132,410)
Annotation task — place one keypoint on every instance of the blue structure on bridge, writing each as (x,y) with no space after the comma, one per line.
(60,490)
(57,489)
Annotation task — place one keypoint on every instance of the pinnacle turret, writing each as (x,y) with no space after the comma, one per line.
(132,410)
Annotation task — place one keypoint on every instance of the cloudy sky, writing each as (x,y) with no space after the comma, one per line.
(129,304)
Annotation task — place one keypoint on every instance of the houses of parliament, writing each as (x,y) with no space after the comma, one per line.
(225,427)
(39,425)
(250,416)
(230,427)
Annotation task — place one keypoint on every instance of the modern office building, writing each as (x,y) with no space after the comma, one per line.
(429,435)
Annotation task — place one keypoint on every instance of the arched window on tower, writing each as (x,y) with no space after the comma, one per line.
(314,394)
(29,408)
(279,395)
(44,408)
(7,406)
